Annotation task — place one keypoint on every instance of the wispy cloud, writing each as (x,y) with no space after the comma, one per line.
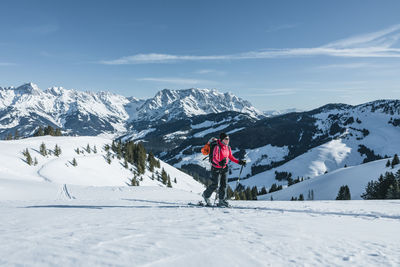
(210,71)
(174,80)
(354,65)
(378,44)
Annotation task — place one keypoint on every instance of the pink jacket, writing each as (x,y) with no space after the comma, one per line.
(225,152)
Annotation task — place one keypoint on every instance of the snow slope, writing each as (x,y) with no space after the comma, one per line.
(326,186)
(92,168)
(153,226)
(50,216)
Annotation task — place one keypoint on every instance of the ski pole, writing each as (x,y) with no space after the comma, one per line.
(237,182)
(217,192)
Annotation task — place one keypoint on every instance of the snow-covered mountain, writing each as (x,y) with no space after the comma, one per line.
(306,144)
(177,104)
(27,107)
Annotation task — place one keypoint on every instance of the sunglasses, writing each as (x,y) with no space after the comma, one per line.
(226,138)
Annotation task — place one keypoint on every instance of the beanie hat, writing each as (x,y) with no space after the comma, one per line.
(222,136)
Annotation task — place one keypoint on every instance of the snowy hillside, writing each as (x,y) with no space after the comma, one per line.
(326,186)
(92,168)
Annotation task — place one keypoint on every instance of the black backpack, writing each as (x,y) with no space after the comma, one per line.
(213,144)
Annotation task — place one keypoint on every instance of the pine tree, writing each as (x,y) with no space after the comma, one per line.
(88,148)
(254,192)
(58,132)
(28,157)
(9,137)
(35,162)
(74,162)
(126,164)
(395,160)
(169,182)
(57,150)
(388,163)
(95,150)
(249,194)
(77,151)
(16,135)
(344,193)
(39,132)
(164,176)
(49,130)
(43,150)
(263,191)
(301,197)
(176,181)
(394,190)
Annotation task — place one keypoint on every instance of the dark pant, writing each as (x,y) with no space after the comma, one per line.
(215,174)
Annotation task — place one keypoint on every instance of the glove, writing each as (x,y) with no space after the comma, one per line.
(242,162)
(222,163)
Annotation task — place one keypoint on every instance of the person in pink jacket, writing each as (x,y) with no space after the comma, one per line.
(221,155)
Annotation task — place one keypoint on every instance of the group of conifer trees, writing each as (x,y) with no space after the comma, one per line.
(386,187)
(43,151)
(135,154)
(49,130)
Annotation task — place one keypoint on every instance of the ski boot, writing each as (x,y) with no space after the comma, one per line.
(224,204)
(206,200)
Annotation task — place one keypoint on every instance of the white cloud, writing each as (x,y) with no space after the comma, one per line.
(172,80)
(210,71)
(378,44)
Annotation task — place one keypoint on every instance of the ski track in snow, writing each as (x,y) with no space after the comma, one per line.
(152,232)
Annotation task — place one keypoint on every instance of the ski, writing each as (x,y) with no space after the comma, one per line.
(202,204)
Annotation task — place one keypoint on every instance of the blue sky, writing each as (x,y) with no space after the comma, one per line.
(276,54)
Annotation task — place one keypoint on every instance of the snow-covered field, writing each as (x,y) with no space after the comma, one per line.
(153,226)
(50,216)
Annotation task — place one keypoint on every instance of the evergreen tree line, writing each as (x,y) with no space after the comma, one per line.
(136,155)
(131,153)
(387,187)
(394,162)
(283,175)
(242,193)
(16,136)
(48,131)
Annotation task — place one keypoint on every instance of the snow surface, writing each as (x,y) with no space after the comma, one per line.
(92,168)
(54,215)
(153,226)
(326,186)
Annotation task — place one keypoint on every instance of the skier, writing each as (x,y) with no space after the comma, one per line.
(221,155)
